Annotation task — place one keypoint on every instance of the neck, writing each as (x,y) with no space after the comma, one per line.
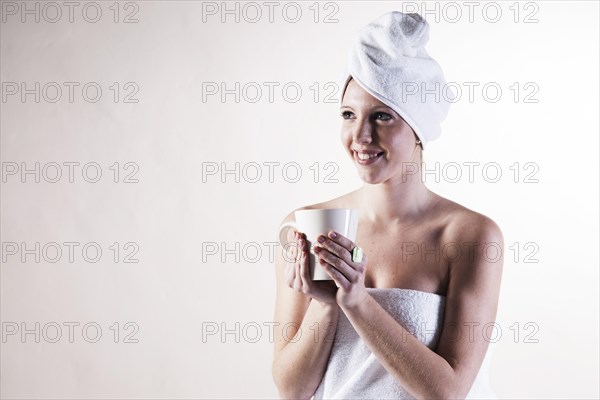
(399,200)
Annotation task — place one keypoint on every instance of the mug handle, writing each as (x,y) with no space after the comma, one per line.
(283,231)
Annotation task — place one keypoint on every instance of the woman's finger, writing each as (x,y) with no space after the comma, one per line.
(304,269)
(345,271)
(341,240)
(336,275)
(298,277)
(335,248)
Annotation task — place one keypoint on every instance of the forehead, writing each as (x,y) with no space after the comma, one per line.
(356,96)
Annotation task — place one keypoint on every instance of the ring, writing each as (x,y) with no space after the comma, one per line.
(357,254)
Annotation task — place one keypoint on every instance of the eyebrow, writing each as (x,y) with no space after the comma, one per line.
(388,109)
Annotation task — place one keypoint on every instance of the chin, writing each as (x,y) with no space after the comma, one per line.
(371,179)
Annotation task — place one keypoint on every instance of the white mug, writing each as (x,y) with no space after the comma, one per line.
(319,222)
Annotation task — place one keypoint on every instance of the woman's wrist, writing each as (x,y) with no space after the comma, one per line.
(326,306)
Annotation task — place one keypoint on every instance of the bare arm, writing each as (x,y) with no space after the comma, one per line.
(299,366)
(471,303)
(303,335)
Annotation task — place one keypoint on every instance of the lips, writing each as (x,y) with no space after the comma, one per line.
(374,156)
(367,151)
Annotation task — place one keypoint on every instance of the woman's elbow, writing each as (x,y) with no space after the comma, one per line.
(452,392)
(293,395)
(288,387)
(292,392)
(450,389)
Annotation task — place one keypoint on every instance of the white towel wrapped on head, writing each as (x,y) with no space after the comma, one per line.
(388,59)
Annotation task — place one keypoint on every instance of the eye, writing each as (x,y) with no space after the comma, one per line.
(345,114)
(384,116)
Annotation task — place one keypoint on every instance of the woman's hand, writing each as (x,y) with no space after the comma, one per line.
(297,271)
(335,255)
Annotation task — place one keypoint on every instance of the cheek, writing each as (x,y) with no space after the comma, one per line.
(401,137)
(396,142)
(399,145)
(346,138)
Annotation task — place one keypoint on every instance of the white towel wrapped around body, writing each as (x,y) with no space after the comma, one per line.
(353,372)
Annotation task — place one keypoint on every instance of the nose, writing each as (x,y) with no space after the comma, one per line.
(363,132)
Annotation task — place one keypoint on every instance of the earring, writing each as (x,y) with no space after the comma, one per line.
(418,142)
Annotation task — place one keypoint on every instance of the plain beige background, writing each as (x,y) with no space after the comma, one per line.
(181,289)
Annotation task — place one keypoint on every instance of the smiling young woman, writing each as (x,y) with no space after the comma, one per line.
(367,120)
(410,319)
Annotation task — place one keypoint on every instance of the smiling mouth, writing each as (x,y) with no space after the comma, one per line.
(367,159)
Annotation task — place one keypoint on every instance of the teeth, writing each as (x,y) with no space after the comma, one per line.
(364,156)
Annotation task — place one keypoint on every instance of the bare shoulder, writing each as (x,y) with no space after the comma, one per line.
(465,225)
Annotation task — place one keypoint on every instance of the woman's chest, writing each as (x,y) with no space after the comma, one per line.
(409,259)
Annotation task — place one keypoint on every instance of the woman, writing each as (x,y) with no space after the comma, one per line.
(412,318)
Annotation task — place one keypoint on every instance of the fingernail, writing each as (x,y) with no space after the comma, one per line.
(332,234)
(321,239)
